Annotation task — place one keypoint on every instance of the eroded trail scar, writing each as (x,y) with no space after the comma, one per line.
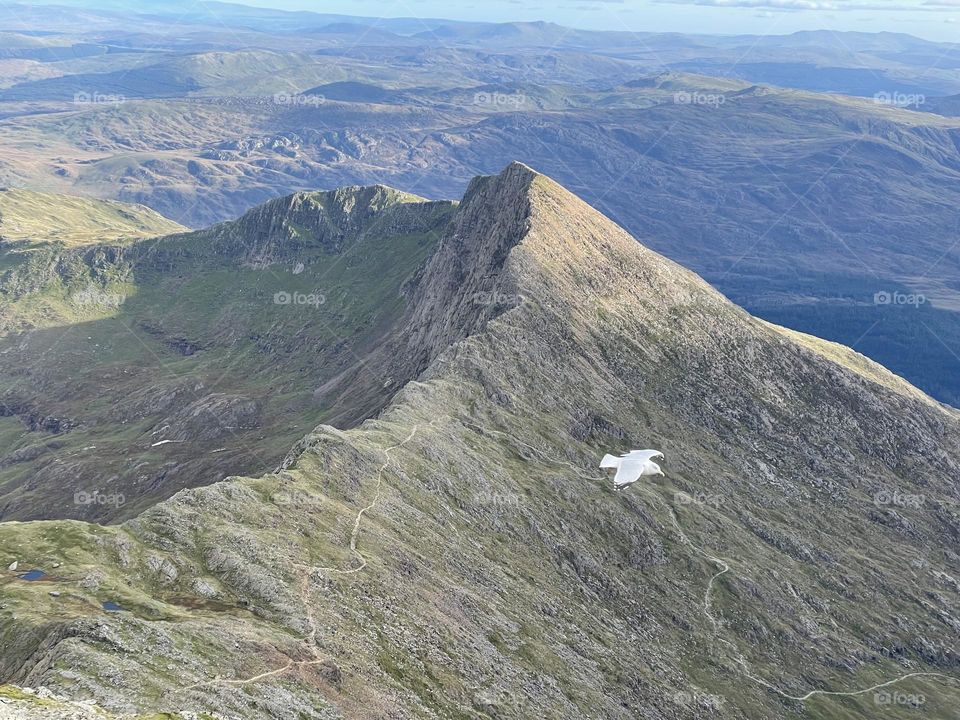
(256,678)
(724,568)
(306,587)
(376,497)
(742,661)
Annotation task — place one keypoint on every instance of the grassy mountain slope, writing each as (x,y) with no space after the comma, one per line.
(131,371)
(460,555)
(36,217)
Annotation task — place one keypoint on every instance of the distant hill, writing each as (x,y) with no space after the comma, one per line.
(802,207)
(39,217)
(949,106)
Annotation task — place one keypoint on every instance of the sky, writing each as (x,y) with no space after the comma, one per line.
(931,19)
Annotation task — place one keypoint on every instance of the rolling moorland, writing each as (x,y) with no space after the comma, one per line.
(812,178)
(799,559)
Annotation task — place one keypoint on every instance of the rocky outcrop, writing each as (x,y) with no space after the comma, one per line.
(286,228)
(263,317)
(467,282)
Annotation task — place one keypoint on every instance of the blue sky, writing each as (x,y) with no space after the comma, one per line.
(931,19)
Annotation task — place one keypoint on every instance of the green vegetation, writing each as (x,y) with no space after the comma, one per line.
(459,555)
(39,218)
(180,361)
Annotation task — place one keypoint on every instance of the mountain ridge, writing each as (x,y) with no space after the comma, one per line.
(30,215)
(221,346)
(460,556)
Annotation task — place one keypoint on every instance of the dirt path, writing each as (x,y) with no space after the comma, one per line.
(707,597)
(723,565)
(376,497)
(742,661)
(306,590)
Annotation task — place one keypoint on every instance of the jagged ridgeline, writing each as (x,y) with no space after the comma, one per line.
(139,366)
(459,556)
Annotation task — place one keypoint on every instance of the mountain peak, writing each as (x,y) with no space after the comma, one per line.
(348,204)
(519,167)
(519,240)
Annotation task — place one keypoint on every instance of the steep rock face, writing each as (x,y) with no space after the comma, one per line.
(461,556)
(466,283)
(463,285)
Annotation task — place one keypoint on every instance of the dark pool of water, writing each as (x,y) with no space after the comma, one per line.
(112,607)
(32,575)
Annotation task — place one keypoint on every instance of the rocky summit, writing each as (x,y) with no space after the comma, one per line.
(459,554)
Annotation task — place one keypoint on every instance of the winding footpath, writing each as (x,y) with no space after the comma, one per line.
(742,661)
(707,605)
(724,568)
(376,497)
(306,591)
